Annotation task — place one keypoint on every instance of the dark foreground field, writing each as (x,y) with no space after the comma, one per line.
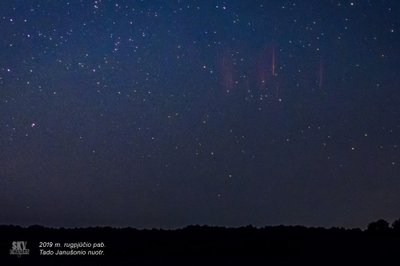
(201,245)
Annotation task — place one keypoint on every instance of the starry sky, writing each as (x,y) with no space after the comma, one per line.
(169,113)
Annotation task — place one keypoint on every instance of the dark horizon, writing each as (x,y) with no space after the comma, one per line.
(201,244)
(182,227)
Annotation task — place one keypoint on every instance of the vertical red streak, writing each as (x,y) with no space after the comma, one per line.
(273,61)
(321,74)
(227,73)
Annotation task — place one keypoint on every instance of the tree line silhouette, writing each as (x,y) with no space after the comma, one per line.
(280,245)
(383,225)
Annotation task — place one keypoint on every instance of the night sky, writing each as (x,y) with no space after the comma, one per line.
(170,113)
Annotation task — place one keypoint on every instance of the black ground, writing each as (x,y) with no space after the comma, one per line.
(202,245)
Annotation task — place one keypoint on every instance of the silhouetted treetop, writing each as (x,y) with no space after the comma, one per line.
(379,226)
(396,225)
